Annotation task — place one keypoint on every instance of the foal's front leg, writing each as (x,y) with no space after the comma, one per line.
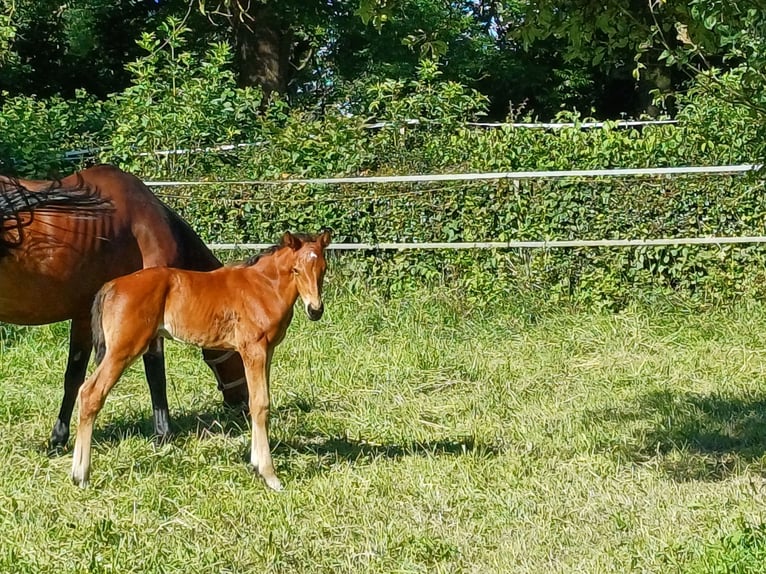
(257,361)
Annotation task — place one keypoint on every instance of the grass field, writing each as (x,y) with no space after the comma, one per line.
(414,435)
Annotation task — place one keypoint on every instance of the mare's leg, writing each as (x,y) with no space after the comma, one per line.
(257,361)
(154,367)
(92,396)
(80,346)
(230,373)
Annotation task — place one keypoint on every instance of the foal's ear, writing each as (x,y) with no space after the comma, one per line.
(324,238)
(289,240)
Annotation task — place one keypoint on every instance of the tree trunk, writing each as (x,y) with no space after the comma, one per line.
(263,45)
(657,77)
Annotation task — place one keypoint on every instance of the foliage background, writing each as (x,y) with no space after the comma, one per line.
(180,99)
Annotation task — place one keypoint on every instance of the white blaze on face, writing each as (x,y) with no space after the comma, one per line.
(310,256)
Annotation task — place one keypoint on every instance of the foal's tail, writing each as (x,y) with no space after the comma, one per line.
(96,325)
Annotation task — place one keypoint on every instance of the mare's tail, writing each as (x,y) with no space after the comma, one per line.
(96,323)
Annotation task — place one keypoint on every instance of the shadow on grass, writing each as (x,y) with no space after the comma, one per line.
(360,450)
(225,421)
(303,456)
(686,435)
(211,421)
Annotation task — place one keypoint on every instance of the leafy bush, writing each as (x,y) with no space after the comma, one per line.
(179,100)
(35,133)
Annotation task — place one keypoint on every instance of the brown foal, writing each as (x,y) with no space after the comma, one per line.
(245,308)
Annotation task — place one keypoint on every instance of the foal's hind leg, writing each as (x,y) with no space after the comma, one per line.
(92,397)
(154,367)
(80,346)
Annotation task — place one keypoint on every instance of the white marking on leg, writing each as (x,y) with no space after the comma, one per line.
(253,447)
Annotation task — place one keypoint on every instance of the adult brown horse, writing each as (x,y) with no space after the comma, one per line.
(246,308)
(61,241)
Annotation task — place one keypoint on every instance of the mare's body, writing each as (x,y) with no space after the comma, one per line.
(56,255)
(246,308)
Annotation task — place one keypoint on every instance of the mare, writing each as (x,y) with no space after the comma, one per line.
(60,241)
(246,308)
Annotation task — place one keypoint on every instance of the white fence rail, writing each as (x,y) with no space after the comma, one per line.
(78,154)
(511,175)
(537,125)
(553,244)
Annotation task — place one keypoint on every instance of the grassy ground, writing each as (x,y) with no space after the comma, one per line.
(413,436)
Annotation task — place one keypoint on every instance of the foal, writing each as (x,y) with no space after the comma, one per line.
(245,308)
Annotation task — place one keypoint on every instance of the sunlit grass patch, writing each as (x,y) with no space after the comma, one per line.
(417,435)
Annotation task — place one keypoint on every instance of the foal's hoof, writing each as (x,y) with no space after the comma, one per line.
(79,481)
(270,478)
(273,483)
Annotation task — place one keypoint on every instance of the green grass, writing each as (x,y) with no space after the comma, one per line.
(413,435)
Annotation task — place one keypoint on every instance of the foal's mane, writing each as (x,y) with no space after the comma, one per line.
(302,237)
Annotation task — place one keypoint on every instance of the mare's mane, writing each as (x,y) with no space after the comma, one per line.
(17,201)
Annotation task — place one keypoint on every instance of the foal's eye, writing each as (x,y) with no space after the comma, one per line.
(295,271)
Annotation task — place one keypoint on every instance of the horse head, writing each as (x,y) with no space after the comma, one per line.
(308,269)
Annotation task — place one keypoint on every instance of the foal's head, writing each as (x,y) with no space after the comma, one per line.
(308,269)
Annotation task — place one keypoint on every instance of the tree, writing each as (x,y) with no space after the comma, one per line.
(7,31)
(552,54)
(722,43)
(607,35)
(59,47)
(475,44)
(271,38)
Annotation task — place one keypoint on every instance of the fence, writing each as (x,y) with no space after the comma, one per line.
(80,154)
(513,176)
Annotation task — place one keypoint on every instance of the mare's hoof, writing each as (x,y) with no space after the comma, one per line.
(54,450)
(162,439)
(238,407)
(59,437)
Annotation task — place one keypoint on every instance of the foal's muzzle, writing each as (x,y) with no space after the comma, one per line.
(315,313)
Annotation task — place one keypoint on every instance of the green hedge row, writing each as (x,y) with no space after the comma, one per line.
(507,210)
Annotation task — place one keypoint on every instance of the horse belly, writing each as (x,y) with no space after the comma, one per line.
(29,298)
(200,329)
(53,278)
